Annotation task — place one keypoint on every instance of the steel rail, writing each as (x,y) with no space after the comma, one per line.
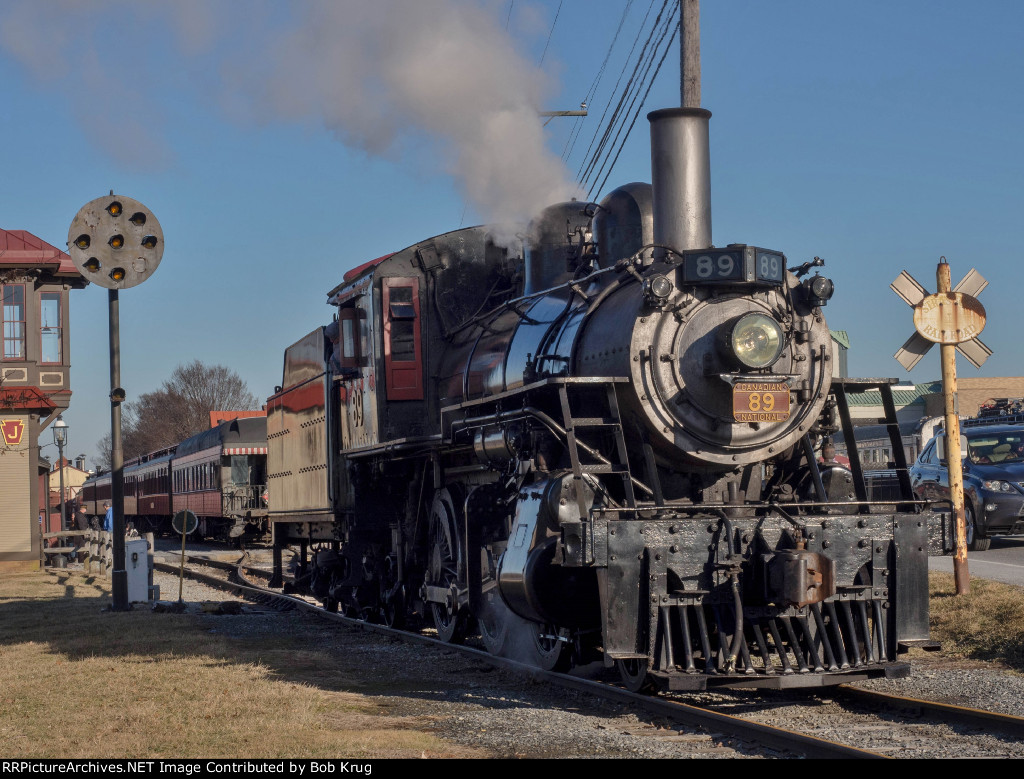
(1007,724)
(744,730)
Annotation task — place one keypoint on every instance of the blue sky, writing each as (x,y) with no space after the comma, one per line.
(280,144)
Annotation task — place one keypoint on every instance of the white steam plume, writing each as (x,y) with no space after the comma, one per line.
(380,74)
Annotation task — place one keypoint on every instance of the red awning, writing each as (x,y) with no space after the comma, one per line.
(245,450)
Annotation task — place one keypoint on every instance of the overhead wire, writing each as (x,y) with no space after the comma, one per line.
(545,52)
(580,175)
(650,83)
(637,83)
(646,82)
(577,127)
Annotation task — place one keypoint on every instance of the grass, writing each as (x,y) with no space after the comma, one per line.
(78,681)
(987,624)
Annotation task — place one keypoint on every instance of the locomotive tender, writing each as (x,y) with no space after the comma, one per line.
(218,474)
(600,445)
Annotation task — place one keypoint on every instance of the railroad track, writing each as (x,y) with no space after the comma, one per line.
(890,712)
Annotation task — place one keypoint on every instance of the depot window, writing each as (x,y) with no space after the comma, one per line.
(403,349)
(14,321)
(50,330)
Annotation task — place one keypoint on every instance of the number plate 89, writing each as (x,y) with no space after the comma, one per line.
(760,402)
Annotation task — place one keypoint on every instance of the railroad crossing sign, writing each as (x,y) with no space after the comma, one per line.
(952,318)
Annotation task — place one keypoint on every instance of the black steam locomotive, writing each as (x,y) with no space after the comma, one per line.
(600,443)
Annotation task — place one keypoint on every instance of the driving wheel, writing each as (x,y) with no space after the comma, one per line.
(443,571)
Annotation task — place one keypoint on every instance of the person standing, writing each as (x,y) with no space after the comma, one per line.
(82,518)
(108,518)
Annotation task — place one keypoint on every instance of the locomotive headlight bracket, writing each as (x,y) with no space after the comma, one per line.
(756,340)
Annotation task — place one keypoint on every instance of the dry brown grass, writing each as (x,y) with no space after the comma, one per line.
(987,624)
(78,681)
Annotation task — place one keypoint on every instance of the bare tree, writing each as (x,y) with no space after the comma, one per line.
(178,409)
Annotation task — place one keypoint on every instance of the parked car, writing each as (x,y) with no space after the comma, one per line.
(993,467)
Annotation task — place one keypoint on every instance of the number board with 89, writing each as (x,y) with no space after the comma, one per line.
(734,265)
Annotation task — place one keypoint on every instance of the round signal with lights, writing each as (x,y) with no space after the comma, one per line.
(756,340)
(115,242)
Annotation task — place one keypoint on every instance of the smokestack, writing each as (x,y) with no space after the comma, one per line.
(681,178)
(681,152)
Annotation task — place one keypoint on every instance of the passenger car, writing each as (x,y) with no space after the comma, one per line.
(993,481)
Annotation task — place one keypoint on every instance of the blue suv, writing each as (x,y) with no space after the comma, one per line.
(993,481)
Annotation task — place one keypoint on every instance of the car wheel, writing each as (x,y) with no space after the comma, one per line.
(975,541)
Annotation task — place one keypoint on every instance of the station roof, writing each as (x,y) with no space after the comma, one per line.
(841,337)
(902,396)
(217,417)
(21,249)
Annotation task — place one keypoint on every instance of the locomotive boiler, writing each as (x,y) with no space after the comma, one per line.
(598,442)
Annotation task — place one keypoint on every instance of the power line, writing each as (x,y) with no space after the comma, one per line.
(544,53)
(570,142)
(634,85)
(650,83)
(585,166)
(646,80)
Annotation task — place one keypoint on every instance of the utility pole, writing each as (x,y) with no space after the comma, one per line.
(689,53)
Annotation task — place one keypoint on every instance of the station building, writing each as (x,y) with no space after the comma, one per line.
(35,281)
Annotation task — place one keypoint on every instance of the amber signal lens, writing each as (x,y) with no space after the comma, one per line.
(116,242)
(92,265)
(83,241)
(114,209)
(117,274)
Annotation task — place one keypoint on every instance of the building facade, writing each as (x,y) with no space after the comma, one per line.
(35,281)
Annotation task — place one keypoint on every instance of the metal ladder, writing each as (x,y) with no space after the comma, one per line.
(617,464)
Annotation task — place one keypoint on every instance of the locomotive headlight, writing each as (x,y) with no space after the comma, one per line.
(756,340)
(657,290)
(818,290)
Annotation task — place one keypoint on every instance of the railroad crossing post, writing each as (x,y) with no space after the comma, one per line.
(961,574)
(952,318)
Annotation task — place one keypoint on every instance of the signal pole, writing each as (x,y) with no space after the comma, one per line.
(116,243)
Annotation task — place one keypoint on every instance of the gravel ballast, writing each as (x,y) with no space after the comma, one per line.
(470,704)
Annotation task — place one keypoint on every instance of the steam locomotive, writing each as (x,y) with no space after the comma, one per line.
(599,443)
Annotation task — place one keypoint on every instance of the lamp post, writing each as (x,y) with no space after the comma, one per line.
(60,437)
